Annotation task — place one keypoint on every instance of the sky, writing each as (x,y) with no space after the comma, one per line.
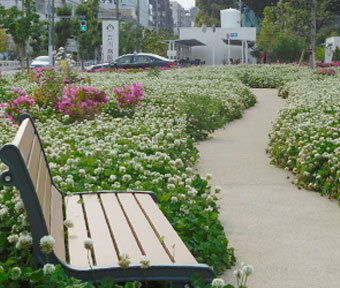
(186,3)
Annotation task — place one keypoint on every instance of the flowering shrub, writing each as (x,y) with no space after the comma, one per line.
(325,71)
(14,107)
(81,102)
(130,96)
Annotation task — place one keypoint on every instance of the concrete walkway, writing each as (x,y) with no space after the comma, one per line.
(290,236)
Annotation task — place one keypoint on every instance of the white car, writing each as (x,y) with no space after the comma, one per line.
(41,61)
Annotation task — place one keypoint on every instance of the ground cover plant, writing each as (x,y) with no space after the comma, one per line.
(149,147)
(305,138)
(270,76)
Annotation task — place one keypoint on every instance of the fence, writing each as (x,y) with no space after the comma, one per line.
(7,65)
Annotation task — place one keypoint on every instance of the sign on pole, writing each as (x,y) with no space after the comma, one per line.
(110,40)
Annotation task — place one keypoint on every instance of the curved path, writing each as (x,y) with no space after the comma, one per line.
(290,236)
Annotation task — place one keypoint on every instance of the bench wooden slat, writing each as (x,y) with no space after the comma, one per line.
(41,184)
(47,201)
(24,137)
(76,234)
(57,223)
(34,160)
(150,243)
(123,235)
(103,247)
(180,252)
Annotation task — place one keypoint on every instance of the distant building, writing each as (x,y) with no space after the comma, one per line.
(182,17)
(193,13)
(160,14)
(127,10)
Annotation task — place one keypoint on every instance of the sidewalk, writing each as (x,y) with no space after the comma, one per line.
(290,236)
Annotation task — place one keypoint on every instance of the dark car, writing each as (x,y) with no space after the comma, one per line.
(138,60)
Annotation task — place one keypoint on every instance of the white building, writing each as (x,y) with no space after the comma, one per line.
(216,45)
(330,46)
(216,50)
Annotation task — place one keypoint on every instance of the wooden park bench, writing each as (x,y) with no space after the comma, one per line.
(118,222)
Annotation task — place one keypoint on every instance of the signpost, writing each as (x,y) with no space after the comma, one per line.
(110,40)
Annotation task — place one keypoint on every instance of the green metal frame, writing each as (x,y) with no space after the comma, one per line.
(18,175)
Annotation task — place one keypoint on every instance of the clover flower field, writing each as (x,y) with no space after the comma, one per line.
(151,148)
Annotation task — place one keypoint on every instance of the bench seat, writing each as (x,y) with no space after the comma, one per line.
(118,222)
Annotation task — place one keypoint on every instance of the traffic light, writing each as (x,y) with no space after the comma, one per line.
(83,25)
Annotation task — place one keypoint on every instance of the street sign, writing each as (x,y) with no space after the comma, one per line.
(233,34)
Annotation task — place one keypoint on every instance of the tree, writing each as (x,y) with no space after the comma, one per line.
(20,24)
(287,47)
(268,33)
(3,41)
(209,11)
(336,54)
(305,18)
(63,28)
(90,40)
(258,6)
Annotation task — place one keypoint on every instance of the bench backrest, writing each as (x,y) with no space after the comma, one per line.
(29,171)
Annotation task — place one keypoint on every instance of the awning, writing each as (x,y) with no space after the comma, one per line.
(186,42)
(238,42)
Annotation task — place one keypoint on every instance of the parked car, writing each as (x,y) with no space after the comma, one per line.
(137,60)
(41,61)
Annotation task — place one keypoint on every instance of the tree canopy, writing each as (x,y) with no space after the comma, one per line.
(209,11)
(21,25)
(258,6)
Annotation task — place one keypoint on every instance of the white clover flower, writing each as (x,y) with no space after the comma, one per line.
(13,238)
(248,270)
(174,199)
(15,273)
(47,243)
(178,163)
(144,262)
(69,181)
(24,242)
(124,261)
(238,274)
(112,178)
(122,169)
(217,283)
(126,178)
(68,223)
(48,269)
(81,172)
(3,212)
(171,186)
(57,179)
(19,206)
(88,243)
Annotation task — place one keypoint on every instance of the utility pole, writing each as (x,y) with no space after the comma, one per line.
(138,23)
(117,9)
(156,12)
(24,48)
(240,7)
(50,47)
(138,13)
(51,31)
